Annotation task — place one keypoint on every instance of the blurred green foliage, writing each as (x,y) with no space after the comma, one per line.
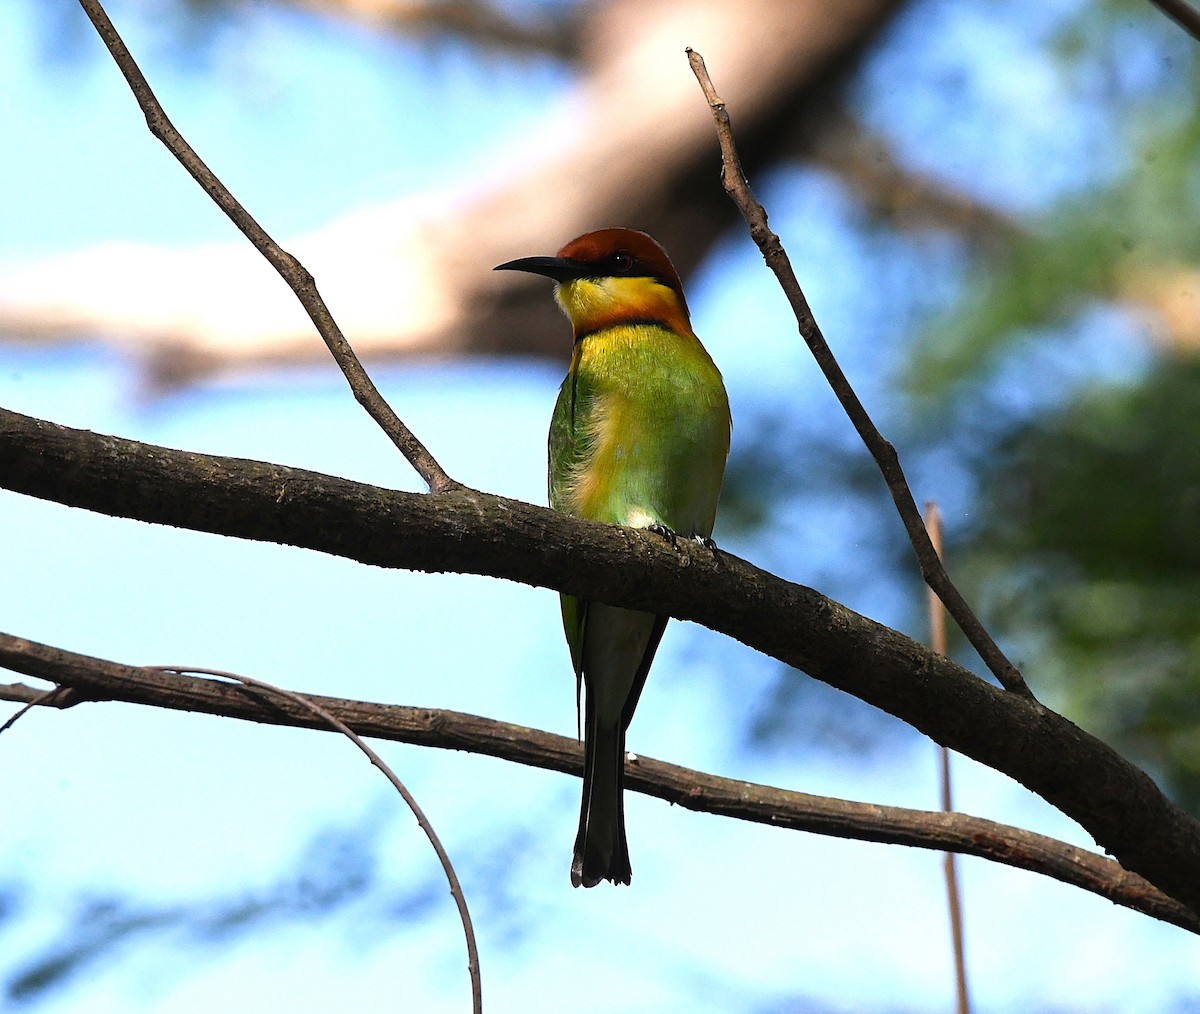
(1094,517)
(1085,549)
(1134,76)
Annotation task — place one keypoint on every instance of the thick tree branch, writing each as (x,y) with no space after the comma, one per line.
(738,187)
(467,531)
(97,679)
(290,269)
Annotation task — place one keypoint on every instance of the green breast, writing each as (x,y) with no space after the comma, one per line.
(640,431)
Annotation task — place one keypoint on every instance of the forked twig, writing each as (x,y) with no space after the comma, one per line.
(738,188)
(310,705)
(290,269)
(55,697)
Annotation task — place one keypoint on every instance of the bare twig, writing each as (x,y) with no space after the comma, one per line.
(937,641)
(34,699)
(1182,13)
(693,790)
(882,451)
(22,693)
(338,725)
(290,269)
(56,697)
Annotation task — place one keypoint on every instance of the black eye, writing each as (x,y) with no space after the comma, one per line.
(622,262)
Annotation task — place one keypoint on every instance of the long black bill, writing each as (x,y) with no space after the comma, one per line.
(561,269)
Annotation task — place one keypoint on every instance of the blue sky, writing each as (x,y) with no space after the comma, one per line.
(172,809)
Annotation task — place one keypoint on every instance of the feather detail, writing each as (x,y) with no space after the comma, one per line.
(595,304)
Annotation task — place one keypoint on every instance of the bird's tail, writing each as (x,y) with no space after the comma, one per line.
(600,849)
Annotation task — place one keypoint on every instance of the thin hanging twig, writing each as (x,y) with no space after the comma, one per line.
(290,269)
(738,188)
(310,705)
(937,641)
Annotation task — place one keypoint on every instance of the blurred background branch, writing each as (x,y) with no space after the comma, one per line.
(411,277)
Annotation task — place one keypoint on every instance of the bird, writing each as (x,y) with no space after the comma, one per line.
(638,437)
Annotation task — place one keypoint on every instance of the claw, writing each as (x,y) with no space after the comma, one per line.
(707,543)
(664,532)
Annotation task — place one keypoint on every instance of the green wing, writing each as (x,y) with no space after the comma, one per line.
(565,453)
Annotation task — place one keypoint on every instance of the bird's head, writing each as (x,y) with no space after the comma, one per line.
(611,277)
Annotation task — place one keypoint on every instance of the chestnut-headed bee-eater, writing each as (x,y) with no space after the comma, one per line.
(639,437)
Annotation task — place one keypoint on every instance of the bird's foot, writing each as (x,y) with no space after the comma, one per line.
(707,543)
(664,532)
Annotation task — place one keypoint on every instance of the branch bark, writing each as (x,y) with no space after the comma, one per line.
(97,679)
(467,531)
